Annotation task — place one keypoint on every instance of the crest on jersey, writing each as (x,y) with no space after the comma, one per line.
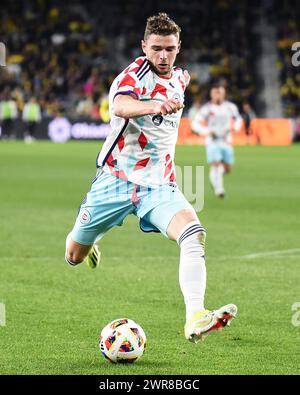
(176,96)
(85,217)
(157,120)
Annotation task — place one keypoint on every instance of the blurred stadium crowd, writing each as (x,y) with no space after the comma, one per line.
(66,54)
(287,18)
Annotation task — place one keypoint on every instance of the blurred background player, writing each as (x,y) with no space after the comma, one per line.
(216,119)
(31,116)
(248,115)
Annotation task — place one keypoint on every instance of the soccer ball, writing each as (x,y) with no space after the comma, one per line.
(122,341)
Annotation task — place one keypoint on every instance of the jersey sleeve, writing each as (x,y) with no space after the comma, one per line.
(130,84)
(180,75)
(236,118)
(200,122)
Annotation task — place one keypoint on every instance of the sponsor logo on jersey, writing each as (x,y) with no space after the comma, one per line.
(157,120)
(173,124)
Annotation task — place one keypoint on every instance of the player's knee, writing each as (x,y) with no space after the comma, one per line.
(74,257)
(194,237)
(227,168)
(202,237)
(75,252)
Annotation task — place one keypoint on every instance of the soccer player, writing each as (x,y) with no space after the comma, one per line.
(216,119)
(136,172)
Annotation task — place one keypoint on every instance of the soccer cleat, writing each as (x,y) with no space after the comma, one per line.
(204,322)
(218,193)
(93,258)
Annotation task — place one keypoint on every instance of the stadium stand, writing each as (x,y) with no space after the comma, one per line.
(287,19)
(67,53)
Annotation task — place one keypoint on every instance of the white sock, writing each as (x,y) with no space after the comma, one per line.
(192,269)
(213,175)
(219,179)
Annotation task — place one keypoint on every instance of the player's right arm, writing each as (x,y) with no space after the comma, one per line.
(130,88)
(126,106)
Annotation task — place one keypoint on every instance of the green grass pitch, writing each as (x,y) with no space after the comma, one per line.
(54,313)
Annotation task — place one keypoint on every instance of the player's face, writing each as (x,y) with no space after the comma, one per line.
(217,95)
(161,52)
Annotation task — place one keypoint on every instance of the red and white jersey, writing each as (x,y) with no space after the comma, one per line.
(141,150)
(220,119)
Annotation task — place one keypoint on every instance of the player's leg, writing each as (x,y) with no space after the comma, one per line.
(220,190)
(216,172)
(227,158)
(177,220)
(186,229)
(106,205)
(227,168)
(77,253)
(190,235)
(175,217)
(214,159)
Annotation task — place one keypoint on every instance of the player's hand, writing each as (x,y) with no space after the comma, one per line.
(186,77)
(213,134)
(170,107)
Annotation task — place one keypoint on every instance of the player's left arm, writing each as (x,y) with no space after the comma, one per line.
(236,118)
(186,77)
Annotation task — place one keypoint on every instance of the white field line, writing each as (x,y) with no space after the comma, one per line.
(271,253)
(290,253)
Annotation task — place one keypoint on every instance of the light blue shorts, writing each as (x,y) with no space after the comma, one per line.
(111,199)
(220,153)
